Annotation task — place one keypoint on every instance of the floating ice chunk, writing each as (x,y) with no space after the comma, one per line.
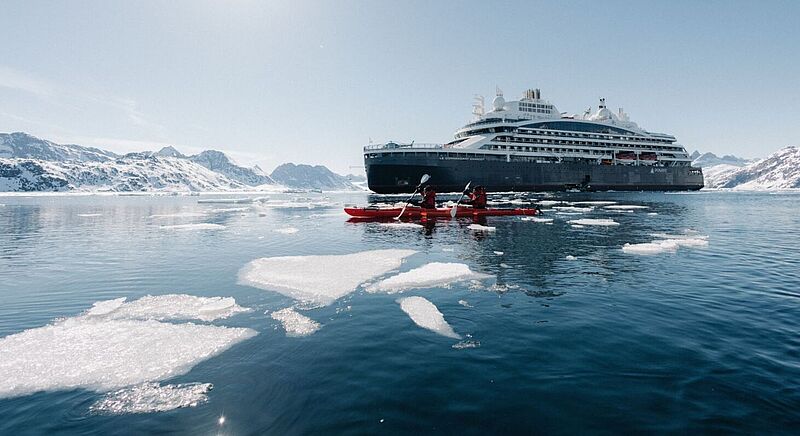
(179,215)
(577,226)
(625,206)
(499,253)
(195,226)
(320,279)
(650,247)
(426,315)
(464,303)
(295,324)
(100,354)
(536,219)
(448,249)
(594,203)
(167,307)
(287,230)
(466,343)
(152,397)
(89,215)
(480,228)
(401,225)
(569,213)
(691,242)
(594,222)
(573,209)
(505,265)
(230,209)
(671,236)
(225,201)
(549,202)
(426,276)
(570,257)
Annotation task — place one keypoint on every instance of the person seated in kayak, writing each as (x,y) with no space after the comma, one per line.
(476,197)
(428,198)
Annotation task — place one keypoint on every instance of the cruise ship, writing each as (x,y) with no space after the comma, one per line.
(528,145)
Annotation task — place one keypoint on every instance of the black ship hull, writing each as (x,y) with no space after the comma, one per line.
(394,173)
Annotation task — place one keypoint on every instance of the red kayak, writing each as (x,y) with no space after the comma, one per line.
(418,212)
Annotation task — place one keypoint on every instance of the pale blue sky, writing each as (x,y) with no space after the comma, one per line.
(312,81)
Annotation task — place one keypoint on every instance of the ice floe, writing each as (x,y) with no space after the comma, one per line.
(666,243)
(593,203)
(194,226)
(426,315)
(594,222)
(625,207)
(226,201)
(287,230)
(89,215)
(295,324)
(152,397)
(464,303)
(536,219)
(320,279)
(573,209)
(401,225)
(426,276)
(116,344)
(571,257)
(577,226)
(230,209)
(549,202)
(481,228)
(179,215)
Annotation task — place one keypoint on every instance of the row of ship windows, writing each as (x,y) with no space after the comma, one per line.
(586,143)
(585,135)
(557,149)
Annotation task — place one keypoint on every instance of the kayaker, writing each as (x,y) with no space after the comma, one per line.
(428,198)
(476,197)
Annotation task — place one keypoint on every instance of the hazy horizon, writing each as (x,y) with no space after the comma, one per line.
(312,82)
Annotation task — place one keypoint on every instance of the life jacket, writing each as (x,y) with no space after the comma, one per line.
(429,199)
(478,199)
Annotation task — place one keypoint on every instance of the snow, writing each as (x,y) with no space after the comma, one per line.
(195,226)
(594,222)
(152,397)
(426,315)
(780,170)
(295,324)
(426,276)
(287,230)
(625,207)
(480,228)
(320,279)
(401,225)
(536,219)
(116,344)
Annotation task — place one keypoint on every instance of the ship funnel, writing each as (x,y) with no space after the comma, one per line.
(537,94)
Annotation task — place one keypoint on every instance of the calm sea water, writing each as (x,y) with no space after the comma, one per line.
(702,339)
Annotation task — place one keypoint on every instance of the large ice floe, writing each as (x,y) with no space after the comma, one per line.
(666,243)
(295,324)
(594,222)
(426,276)
(320,279)
(117,344)
(152,397)
(426,315)
(481,228)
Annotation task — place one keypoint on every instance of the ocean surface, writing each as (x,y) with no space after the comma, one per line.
(548,327)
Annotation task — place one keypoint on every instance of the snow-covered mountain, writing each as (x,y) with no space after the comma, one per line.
(23,146)
(310,177)
(780,170)
(710,159)
(28,163)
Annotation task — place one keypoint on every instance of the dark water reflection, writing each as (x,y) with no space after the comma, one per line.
(575,335)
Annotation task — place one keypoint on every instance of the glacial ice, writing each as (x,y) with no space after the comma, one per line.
(116,344)
(594,222)
(195,226)
(287,230)
(426,315)
(481,228)
(666,243)
(536,219)
(320,279)
(152,397)
(426,276)
(294,323)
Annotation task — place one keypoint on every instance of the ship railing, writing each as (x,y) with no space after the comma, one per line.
(394,145)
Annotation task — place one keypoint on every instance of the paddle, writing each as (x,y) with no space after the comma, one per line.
(425,178)
(455,208)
